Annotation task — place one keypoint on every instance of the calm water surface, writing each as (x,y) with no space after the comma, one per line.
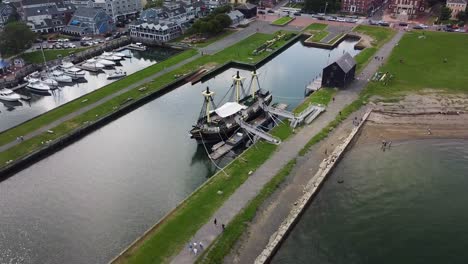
(87,202)
(14,113)
(406,205)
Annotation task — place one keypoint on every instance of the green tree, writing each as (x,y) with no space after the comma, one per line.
(154,3)
(224,20)
(462,16)
(15,38)
(445,13)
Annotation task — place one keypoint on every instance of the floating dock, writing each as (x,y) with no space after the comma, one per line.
(314,86)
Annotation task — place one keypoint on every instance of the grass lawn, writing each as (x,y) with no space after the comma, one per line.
(318,36)
(215,38)
(282,21)
(36,56)
(423,64)
(241,51)
(316,26)
(322,96)
(173,233)
(380,35)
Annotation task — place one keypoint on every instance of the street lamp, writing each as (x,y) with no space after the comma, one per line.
(325,11)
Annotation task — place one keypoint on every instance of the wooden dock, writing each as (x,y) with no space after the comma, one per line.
(313,86)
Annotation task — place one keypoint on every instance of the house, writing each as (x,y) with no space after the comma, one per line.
(89,21)
(248,10)
(237,2)
(340,73)
(365,7)
(456,6)
(213,4)
(155,32)
(120,9)
(45,16)
(7,11)
(405,10)
(236,17)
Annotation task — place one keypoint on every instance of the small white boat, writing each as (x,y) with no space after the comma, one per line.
(74,72)
(106,63)
(93,65)
(60,77)
(37,85)
(120,54)
(117,74)
(137,46)
(9,95)
(50,82)
(110,57)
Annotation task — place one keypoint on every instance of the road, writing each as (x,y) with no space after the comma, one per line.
(286,152)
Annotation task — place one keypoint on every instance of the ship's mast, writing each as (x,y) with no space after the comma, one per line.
(253,81)
(238,85)
(208,103)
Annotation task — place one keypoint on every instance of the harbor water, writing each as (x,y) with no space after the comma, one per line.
(87,202)
(404,205)
(14,113)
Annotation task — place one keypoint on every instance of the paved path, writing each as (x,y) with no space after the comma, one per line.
(262,27)
(287,151)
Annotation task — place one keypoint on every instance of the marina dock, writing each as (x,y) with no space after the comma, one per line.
(314,86)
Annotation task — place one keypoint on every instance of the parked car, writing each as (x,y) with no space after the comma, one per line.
(270,11)
(320,18)
(372,22)
(261,12)
(297,14)
(341,19)
(423,26)
(418,27)
(384,24)
(332,18)
(403,24)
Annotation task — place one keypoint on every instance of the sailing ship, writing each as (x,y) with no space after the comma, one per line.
(217,123)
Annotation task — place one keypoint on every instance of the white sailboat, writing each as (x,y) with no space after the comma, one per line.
(9,95)
(50,82)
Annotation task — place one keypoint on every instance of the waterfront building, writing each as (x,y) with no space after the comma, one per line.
(404,10)
(90,21)
(365,7)
(45,16)
(340,73)
(155,33)
(456,6)
(120,9)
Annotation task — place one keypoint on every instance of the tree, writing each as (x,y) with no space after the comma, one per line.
(462,16)
(318,6)
(224,20)
(445,13)
(15,38)
(154,3)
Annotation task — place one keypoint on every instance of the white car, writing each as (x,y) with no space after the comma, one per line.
(423,26)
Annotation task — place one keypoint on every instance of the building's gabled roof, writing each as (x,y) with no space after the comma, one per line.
(235,14)
(346,62)
(89,12)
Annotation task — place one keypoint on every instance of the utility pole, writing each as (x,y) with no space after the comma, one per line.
(325,11)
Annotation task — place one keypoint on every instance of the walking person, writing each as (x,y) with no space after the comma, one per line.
(223,227)
(195,251)
(190,247)
(200,245)
(215,222)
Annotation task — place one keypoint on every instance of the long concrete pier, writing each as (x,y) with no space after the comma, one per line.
(312,187)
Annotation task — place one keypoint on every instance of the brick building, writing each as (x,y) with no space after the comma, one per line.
(407,9)
(456,6)
(364,7)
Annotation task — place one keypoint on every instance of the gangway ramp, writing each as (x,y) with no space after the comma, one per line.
(257,132)
(295,120)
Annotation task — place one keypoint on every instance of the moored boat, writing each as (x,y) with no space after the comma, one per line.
(9,95)
(60,77)
(117,74)
(218,123)
(37,85)
(106,63)
(137,46)
(69,69)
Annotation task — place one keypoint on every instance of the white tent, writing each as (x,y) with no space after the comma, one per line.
(229,109)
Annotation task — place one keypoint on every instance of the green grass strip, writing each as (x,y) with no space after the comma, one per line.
(336,38)
(322,96)
(318,36)
(226,241)
(282,21)
(36,56)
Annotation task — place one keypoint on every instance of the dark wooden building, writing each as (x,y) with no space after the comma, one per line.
(248,10)
(340,73)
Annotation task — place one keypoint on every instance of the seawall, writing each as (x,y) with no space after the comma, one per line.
(310,190)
